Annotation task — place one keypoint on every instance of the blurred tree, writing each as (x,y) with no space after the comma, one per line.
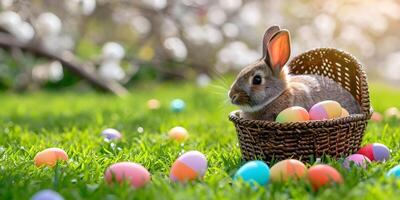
(198,38)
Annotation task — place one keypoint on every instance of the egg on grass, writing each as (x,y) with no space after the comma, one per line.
(111,134)
(287,169)
(47,195)
(153,104)
(322,176)
(375,152)
(177,105)
(254,173)
(49,157)
(357,159)
(133,173)
(178,134)
(189,166)
(394,172)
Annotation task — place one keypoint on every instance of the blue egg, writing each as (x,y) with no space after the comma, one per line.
(254,172)
(47,195)
(395,171)
(177,105)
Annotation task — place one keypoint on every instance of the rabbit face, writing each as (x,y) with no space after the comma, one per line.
(255,87)
(260,83)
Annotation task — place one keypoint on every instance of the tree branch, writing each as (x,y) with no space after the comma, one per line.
(68,60)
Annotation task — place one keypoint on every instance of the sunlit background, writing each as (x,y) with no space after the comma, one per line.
(198,40)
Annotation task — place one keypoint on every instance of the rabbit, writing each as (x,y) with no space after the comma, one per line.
(265,88)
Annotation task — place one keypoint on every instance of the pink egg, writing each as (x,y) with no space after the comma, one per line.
(325,110)
(190,166)
(357,159)
(293,114)
(131,172)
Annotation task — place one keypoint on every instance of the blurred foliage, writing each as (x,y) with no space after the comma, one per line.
(191,38)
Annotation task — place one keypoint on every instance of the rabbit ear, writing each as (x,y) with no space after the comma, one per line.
(271,31)
(279,50)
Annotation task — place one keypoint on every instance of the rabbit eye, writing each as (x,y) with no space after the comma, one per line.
(257,80)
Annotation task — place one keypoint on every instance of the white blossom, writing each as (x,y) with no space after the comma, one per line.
(48,24)
(113,51)
(176,47)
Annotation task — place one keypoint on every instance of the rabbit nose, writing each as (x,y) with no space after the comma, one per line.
(234,97)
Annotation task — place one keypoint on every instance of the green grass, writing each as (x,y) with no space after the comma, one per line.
(30,123)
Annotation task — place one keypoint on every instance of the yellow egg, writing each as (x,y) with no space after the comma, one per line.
(50,156)
(325,110)
(178,133)
(345,113)
(293,114)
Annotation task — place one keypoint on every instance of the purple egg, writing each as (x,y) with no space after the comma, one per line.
(358,160)
(381,152)
(111,134)
(47,195)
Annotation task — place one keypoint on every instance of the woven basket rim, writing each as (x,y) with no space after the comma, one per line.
(234,117)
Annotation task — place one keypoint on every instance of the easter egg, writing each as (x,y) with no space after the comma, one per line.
(153,104)
(293,114)
(254,172)
(357,159)
(376,117)
(345,113)
(392,113)
(189,166)
(287,169)
(375,152)
(395,172)
(323,175)
(178,133)
(325,110)
(111,134)
(49,157)
(177,105)
(133,173)
(47,195)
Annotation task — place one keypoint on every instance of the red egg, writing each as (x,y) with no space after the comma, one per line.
(323,175)
(375,152)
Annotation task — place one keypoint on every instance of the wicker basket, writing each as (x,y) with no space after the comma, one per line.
(306,141)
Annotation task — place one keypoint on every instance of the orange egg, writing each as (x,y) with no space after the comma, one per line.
(50,156)
(323,175)
(287,169)
(293,114)
(178,133)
